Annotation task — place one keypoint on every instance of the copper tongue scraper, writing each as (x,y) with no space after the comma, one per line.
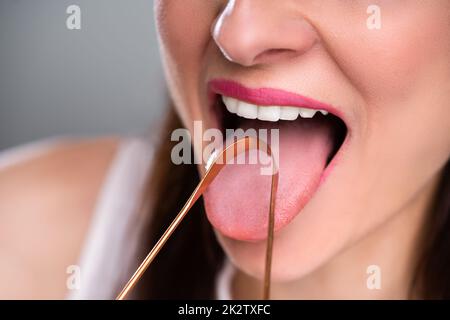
(238,147)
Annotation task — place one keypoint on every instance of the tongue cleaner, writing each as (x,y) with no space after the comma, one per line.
(213,169)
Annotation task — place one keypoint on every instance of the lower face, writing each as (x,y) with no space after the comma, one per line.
(342,175)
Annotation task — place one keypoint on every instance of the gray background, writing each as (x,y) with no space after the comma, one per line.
(105,78)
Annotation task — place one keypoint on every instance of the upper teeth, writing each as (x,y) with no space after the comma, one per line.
(267,113)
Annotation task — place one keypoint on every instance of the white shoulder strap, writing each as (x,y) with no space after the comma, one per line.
(109,253)
(15,155)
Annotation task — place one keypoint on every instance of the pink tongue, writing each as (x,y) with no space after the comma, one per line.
(237,202)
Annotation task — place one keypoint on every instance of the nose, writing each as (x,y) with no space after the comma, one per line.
(251,32)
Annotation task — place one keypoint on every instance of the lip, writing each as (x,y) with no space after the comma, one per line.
(265,96)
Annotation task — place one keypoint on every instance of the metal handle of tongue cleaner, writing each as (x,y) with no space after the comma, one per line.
(240,146)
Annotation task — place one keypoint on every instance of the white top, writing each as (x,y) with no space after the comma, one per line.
(108,256)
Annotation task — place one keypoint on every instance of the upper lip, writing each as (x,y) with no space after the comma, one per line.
(267,96)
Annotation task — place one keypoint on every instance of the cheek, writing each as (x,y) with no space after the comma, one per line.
(387,64)
(407,89)
(183,28)
(184,34)
(402,73)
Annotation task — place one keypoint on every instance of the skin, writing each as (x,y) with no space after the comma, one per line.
(46,205)
(392,87)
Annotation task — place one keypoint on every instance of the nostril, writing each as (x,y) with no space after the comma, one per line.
(274,54)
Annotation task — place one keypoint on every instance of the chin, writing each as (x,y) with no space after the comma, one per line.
(292,259)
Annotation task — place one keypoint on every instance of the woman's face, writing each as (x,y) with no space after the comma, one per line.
(386,76)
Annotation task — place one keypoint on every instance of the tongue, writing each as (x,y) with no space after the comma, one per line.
(237,202)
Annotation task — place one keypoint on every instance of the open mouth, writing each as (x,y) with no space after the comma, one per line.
(310,136)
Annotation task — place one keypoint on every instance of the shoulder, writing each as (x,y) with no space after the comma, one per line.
(64,170)
(55,160)
(46,201)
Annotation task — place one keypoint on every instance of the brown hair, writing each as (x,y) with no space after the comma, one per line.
(186,268)
(432,277)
